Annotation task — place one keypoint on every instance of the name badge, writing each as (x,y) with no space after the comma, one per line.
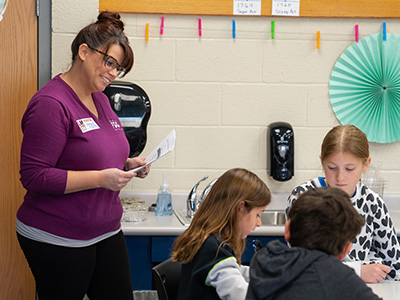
(87,124)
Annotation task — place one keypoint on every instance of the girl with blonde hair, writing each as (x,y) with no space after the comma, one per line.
(210,249)
(345,156)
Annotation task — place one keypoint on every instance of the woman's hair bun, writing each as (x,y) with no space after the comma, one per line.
(113,18)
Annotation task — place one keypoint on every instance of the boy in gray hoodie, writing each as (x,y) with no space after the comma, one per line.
(322,223)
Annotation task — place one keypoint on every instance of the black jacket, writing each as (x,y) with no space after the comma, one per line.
(279,272)
(207,263)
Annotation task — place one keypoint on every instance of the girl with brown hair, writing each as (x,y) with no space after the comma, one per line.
(210,249)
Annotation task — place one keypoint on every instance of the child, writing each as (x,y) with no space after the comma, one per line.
(210,249)
(344,157)
(322,223)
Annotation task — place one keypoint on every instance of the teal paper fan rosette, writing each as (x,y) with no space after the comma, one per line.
(364,88)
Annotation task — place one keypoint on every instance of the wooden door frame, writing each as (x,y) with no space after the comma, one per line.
(18,83)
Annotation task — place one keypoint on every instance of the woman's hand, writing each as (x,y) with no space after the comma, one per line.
(111,179)
(136,162)
(374,273)
(115,179)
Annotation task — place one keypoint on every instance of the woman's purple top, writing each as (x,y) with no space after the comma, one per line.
(61,134)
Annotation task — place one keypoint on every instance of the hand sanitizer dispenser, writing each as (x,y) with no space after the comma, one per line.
(164,200)
(281,151)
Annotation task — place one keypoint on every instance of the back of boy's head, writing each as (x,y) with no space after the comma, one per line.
(324,219)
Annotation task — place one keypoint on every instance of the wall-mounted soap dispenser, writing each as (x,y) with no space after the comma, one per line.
(281,151)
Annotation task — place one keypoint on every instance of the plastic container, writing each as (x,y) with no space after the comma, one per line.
(132,200)
(373,180)
(375,184)
(164,200)
(136,212)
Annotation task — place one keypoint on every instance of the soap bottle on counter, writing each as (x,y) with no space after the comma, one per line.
(164,199)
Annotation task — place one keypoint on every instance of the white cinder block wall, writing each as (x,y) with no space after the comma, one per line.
(220,94)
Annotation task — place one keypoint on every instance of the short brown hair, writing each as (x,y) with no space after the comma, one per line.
(106,31)
(324,219)
(217,214)
(347,139)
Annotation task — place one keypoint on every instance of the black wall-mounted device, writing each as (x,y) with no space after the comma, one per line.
(132,106)
(281,151)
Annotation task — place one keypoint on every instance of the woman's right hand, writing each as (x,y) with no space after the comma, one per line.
(115,179)
(374,273)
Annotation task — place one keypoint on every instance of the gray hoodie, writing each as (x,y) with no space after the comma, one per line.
(279,272)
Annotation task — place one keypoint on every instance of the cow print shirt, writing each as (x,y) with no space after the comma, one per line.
(377,241)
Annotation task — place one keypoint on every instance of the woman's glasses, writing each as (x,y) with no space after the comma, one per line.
(111,63)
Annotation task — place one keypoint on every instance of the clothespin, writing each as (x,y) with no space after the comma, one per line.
(272,29)
(199,27)
(147,32)
(318,38)
(162,26)
(356,33)
(233,29)
(384,31)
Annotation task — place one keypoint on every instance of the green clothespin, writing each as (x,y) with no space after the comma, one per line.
(272,29)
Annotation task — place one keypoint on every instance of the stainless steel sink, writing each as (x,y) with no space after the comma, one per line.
(182,217)
(268,217)
(273,218)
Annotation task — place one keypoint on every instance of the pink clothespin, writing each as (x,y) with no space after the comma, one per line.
(199,27)
(356,28)
(162,26)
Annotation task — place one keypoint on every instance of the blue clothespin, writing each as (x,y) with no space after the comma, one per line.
(384,31)
(233,29)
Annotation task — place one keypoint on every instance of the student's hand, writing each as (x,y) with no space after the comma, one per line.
(374,273)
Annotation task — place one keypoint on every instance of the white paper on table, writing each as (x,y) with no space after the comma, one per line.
(166,146)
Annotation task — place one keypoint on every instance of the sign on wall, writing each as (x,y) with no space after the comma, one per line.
(247,7)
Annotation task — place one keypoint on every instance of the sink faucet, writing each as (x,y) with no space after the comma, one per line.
(192,201)
(205,192)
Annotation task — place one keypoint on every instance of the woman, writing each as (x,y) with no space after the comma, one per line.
(73,155)
(210,249)
(345,156)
